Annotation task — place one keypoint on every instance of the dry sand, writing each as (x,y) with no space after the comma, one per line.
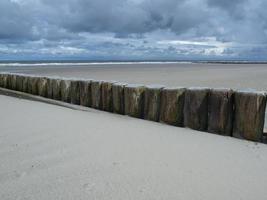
(51,152)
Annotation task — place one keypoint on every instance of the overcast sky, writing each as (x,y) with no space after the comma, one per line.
(133,29)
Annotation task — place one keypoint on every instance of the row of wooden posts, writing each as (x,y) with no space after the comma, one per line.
(222,111)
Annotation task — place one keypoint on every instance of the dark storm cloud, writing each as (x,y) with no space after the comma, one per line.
(235,8)
(127,17)
(228,5)
(21,18)
(238,26)
(15,23)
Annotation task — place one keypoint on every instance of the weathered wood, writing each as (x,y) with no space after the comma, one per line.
(30,82)
(152,102)
(75,92)
(13,81)
(3,80)
(50,87)
(220,118)
(134,100)
(35,85)
(19,83)
(32,85)
(25,81)
(85,93)
(9,81)
(56,89)
(42,86)
(196,108)
(118,97)
(172,106)
(249,115)
(65,90)
(106,96)
(96,94)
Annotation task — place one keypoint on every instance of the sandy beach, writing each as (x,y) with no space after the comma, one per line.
(51,152)
(213,75)
(236,76)
(133,100)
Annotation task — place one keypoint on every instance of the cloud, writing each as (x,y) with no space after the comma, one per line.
(164,29)
(233,7)
(15,22)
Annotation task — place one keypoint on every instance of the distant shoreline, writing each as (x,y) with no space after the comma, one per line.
(83,62)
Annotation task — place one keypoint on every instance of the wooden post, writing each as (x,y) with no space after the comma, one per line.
(249,114)
(172,106)
(65,90)
(152,102)
(220,118)
(50,87)
(25,81)
(13,81)
(9,81)
(3,80)
(75,92)
(32,85)
(42,86)
(85,93)
(196,108)
(96,94)
(56,89)
(106,96)
(134,100)
(19,83)
(118,97)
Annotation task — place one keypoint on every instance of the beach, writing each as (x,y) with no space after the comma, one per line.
(51,152)
(133,100)
(242,76)
(235,76)
(54,152)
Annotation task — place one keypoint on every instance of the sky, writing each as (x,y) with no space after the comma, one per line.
(133,29)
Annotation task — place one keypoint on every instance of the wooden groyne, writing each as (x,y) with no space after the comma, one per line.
(227,112)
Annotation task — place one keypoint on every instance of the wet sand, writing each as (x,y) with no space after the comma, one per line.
(236,76)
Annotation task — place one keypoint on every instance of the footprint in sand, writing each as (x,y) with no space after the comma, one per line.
(89,186)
